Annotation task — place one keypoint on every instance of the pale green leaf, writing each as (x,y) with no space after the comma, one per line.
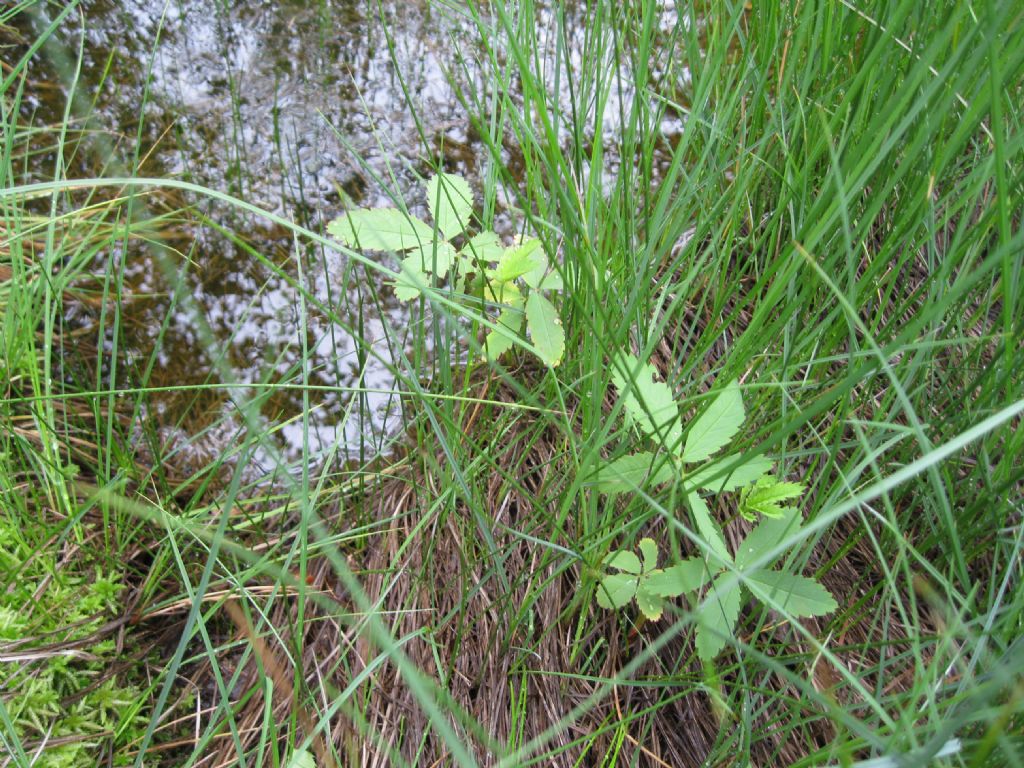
(686,576)
(796,595)
(545,329)
(717,476)
(650,604)
(482,247)
(615,590)
(714,428)
(765,497)
(381,229)
(411,279)
(709,530)
(518,260)
(628,473)
(623,560)
(649,552)
(503,293)
(433,257)
(552,281)
(649,403)
(717,617)
(451,203)
(765,537)
(501,339)
(301,758)
(542,277)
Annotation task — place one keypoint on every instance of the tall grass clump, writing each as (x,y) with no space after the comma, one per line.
(821,202)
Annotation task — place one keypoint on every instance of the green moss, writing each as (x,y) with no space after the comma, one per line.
(56,689)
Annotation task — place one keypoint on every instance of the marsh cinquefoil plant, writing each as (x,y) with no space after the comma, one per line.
(511,281)
(650,405)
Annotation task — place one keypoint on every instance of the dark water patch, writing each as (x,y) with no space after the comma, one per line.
(293,107)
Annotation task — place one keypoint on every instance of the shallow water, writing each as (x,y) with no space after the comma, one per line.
(290,106)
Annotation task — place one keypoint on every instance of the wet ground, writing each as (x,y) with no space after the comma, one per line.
(292,106)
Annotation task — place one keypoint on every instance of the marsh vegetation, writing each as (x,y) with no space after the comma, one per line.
(505,384)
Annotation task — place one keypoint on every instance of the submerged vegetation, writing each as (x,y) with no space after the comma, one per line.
(700,436)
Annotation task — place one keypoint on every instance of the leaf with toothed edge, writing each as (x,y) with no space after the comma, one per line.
(714,428)
(630,472)
(798,596)
(451,203)
(717,618)
(381,229)
(648,402)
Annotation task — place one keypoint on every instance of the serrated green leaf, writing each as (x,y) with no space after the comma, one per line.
(628,473)
(451,203)
(765,497)
(649,552)
(717,617)
(503,293)
(615,590)
(381,229)
(798,596)
(650,604)
(411,278)
(765,537)
(482,247)
(545,329)
(686,576)
(623,560)
(714,428)
(433,257)
(502,339)
(709,530)
(718,478)
(301,758)
(517,260)
(649,403)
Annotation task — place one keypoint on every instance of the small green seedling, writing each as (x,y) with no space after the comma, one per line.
(510,281)
(651,407)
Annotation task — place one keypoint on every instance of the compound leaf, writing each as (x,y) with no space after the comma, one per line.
(714,428)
